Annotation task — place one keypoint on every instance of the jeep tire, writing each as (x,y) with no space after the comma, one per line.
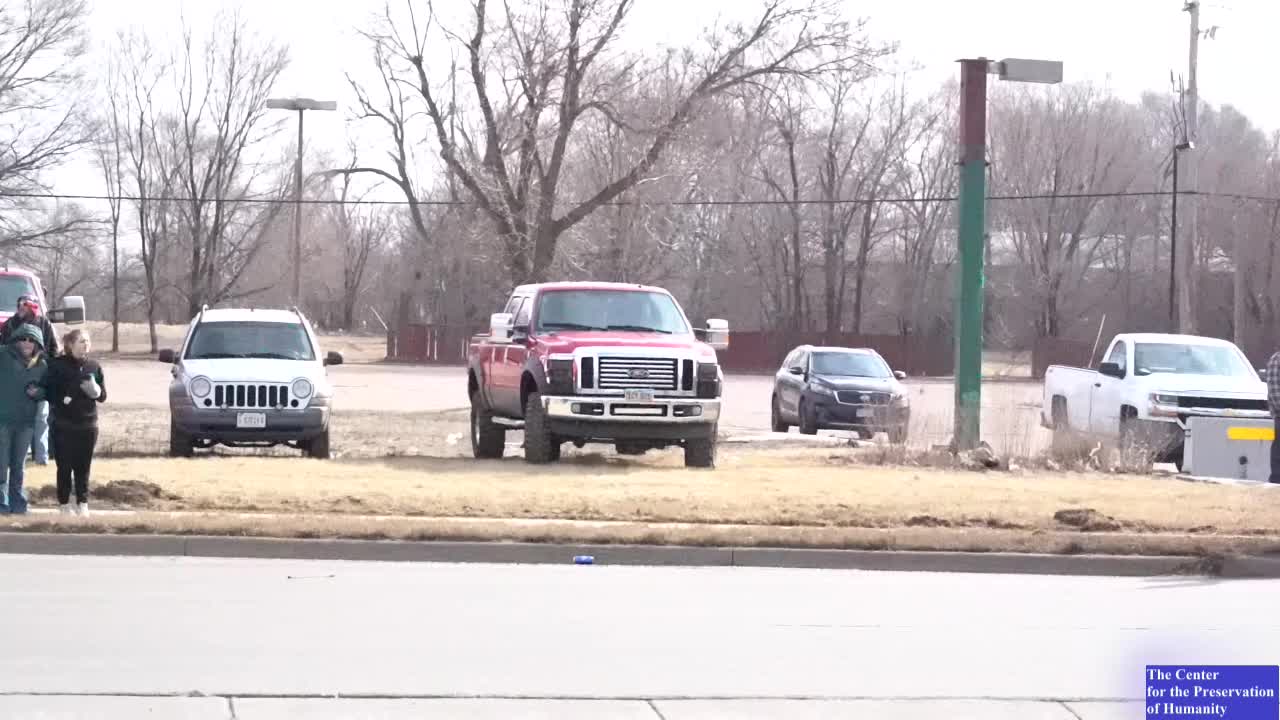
(488,439)
(180,443)
(318,446)
(540,446)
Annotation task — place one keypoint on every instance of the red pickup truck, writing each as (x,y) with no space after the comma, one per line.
(16,282)
(596,363)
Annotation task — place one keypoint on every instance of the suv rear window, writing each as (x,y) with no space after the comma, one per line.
(13,287)
(280,341)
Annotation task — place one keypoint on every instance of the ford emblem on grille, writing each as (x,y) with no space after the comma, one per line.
(638,374)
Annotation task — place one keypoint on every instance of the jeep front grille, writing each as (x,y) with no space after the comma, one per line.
(245,395)
(621,373)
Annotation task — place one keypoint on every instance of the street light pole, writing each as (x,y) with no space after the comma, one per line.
(299,105)
(1173,238)
(973,228)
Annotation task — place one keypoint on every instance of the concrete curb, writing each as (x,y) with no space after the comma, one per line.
(558,553)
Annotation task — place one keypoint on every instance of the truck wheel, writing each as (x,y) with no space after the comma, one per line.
(488,439)
(180,445)
(1135,448)
(775,417)
(898,434)
(318,446)
(701,453)
(808,423)
(540,446)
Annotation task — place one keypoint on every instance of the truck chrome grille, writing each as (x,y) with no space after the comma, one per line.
(244,395)
(622,373)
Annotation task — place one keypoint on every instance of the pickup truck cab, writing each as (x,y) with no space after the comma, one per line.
(1146,388)
(596,363)
(16,282)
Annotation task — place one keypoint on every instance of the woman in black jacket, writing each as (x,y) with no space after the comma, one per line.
(74,387)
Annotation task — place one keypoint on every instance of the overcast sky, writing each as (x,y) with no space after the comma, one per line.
(1130,45)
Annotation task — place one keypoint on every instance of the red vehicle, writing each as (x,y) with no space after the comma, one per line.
(596,363)
(16,282)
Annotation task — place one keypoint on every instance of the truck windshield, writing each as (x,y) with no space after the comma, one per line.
(1149,358)
(266,340)
(847,364)
(610,310)
(13,287)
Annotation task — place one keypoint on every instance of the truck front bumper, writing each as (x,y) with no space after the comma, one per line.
(611,418)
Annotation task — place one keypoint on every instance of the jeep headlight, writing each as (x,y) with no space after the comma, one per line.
(201,387)
(301,388)
(822,390)
(901,401)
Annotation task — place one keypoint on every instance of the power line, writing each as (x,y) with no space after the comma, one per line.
(641,203)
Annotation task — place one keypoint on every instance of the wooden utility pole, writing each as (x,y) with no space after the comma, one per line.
(1186,261)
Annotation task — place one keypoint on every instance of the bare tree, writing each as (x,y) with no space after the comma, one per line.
(111,158)
(361,234)
(220,123)
(41,42)
(557,67)
(1080,139)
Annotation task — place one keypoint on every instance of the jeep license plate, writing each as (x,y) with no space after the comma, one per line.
(864,412)
(251,421)
(639,395)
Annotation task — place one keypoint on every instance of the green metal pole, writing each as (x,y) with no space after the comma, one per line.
(973,224)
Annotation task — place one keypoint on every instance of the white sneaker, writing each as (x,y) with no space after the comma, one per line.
(82,509)
(66,509)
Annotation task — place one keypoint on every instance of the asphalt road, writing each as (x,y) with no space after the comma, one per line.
(1010,410)
(282,638)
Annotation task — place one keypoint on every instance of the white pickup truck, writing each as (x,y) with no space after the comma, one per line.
(1146,387)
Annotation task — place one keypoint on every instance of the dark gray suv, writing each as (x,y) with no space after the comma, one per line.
(835,388)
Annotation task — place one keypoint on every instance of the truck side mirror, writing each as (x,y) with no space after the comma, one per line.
(796,370)
(333,358)
(167,357)
(500,326)
(71,313)
(899,375)
(717,334)
(1111,369)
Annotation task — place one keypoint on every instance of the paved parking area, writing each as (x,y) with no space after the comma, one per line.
(1010,409)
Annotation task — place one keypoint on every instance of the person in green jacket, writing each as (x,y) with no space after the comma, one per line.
(22,371)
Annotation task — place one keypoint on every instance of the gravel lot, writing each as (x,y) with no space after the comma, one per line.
(1010,409)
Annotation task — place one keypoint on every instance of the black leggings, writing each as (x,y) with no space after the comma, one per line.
(73,452)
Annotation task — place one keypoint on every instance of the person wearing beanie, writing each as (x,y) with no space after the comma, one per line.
(74,386)
(22,377)
(28,314)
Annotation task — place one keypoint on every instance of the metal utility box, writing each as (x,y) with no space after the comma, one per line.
(1227,448)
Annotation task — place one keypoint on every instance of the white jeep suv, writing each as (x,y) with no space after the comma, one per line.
(249,378)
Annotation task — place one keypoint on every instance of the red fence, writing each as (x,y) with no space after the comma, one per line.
(750,351)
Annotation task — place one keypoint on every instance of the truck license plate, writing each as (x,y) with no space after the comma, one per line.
(638,395)
(251,421)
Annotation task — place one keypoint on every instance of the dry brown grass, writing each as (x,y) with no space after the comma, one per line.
(428,529)
(133,431)
(752,487)
(135,341)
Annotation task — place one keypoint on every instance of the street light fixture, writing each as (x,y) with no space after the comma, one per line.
(973,226)
(299,105)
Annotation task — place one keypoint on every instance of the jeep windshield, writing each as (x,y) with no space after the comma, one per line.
(640,311)
(261,340)
(13,287)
